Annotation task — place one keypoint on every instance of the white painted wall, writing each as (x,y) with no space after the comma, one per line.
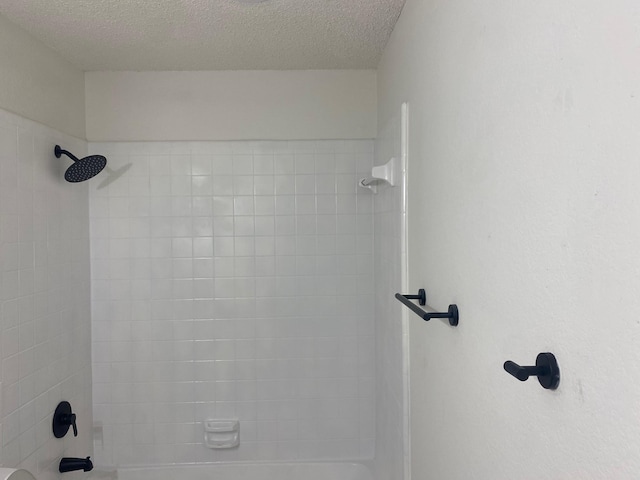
(523,207)
(37,83)
(231,105)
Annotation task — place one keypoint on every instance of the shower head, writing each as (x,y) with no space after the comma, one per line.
(82,169)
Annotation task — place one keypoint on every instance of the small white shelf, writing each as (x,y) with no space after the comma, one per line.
(380,175)
(221,434)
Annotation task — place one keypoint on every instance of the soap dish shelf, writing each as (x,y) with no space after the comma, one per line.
(380,175)
(221,434)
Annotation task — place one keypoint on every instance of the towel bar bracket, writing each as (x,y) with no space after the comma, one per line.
(452,312)
(421,297)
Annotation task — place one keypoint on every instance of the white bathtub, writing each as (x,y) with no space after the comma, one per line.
(245,471)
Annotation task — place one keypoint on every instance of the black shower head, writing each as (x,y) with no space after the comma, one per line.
(82,169)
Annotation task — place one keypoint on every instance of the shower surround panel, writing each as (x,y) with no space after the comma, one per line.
(391,331)
(45,297)
(233,280)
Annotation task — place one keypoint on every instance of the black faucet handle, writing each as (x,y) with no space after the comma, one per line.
(72,421)
(63,418)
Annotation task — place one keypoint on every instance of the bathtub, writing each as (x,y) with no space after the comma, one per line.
(244,471)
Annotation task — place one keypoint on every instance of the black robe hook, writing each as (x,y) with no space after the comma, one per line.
(546,369)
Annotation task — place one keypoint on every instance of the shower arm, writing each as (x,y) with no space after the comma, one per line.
(59,151)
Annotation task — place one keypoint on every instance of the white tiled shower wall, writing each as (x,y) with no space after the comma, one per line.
(233,279)
(45,296)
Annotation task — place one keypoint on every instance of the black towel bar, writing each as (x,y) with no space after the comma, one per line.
(451,313)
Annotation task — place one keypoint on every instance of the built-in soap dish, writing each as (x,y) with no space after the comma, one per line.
(380,175)
(219,434)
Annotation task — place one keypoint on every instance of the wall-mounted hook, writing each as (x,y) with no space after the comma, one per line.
(370,183)
(380,175)
(451,313)
(546,369)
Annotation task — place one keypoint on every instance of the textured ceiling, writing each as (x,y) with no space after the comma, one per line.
(210,34)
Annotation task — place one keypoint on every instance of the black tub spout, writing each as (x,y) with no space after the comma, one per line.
(68,464)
